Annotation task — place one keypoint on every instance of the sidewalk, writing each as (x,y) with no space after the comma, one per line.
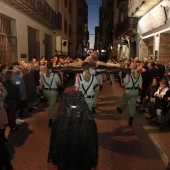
(121,147)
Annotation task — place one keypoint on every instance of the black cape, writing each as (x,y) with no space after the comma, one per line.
(73,143)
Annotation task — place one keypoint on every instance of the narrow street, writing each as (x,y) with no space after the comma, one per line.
(121,147)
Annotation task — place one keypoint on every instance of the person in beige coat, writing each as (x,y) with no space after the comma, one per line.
(3,114)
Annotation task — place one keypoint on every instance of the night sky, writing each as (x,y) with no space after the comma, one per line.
(93,18)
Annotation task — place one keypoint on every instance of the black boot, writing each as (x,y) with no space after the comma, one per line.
(50,123)
(130,121)
(2,135)
(119,110)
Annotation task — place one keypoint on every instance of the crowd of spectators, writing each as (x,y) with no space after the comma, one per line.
(154,98)
(21,84)
(21,81)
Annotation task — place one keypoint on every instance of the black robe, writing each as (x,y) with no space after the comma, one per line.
(4,156)
(73,144)
(145,84)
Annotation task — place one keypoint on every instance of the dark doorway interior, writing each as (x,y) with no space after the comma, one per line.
(33,44)
(48,47)
(133,50)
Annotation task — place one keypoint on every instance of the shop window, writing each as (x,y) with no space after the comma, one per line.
(33,44)
(8,40)
(48,47)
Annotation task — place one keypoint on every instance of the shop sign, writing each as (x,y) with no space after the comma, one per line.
(152,20)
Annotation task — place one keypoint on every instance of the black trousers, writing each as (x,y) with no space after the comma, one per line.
(166,117)
(152,109)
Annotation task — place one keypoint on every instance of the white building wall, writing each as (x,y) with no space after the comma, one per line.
(22,23)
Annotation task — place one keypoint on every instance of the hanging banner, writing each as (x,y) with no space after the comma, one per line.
(155,18)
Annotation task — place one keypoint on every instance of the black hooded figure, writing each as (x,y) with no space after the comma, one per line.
(5,163)
(74,143)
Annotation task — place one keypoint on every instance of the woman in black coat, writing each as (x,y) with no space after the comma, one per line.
(166,111)
(5,163)
(30,87)
(12,100)
(73,144)
(145,84)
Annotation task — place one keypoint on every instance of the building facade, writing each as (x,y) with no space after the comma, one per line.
(79,23)
(63,35)
(27,30)
(125,31)
(105,27)
(139,28)
(152,36)
(36,28)
(154,33)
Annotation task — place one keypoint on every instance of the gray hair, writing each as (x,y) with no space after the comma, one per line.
(133,66)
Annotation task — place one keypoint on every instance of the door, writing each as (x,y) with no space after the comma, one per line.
(48,47)
(33,44)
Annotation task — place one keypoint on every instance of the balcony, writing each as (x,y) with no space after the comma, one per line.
(127,27)
(38,10)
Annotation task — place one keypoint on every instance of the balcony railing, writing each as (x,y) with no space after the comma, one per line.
(128,24)
(38,10)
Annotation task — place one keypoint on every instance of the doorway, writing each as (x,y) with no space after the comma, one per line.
(33,44)
(48,47)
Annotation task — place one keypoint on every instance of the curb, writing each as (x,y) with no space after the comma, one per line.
(160,151)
